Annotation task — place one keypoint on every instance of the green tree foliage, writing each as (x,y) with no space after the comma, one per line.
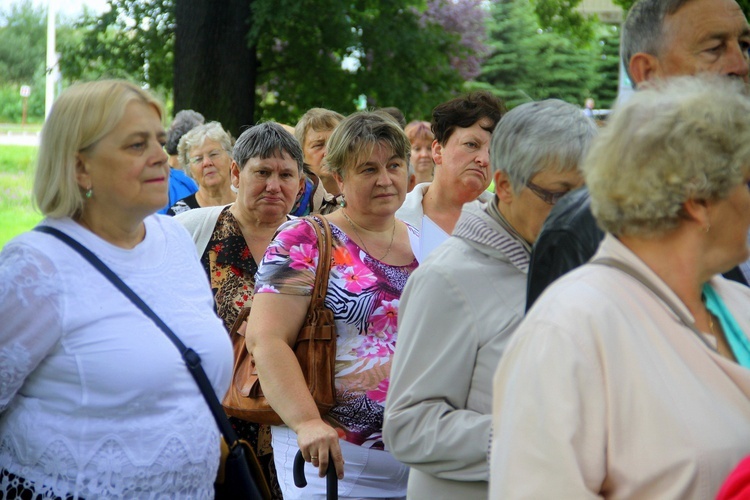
(528,63)
(23,31)
(563,17)
(394,57)
(133,40)
(605,94)
(23,49)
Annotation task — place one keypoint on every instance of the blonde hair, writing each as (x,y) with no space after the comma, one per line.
(356,137)
(681,139)
(317,119)
(80,117)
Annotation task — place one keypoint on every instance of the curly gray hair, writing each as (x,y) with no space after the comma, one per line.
(685,138)
(197,136)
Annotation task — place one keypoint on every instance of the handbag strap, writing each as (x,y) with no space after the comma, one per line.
(609,262)
(191,358)
(323,271)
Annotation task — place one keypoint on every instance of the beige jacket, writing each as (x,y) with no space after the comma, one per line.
(457,313)
(603,393)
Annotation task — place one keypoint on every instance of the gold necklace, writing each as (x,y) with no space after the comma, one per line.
(393,233)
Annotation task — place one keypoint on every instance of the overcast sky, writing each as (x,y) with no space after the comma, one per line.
(66,7)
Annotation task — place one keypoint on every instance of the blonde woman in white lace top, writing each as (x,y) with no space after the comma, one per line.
(95,401)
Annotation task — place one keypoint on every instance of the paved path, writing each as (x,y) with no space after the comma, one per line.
(19,138)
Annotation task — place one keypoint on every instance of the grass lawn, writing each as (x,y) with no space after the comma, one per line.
(17,128)
(16,174)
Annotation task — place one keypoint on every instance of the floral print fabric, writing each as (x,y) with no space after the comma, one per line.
(230,268)
(363,293)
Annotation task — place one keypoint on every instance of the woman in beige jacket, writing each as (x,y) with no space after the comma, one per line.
(629,376)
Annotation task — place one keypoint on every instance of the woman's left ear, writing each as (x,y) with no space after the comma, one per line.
(697,211)
(301,190)
(339,181)
(82,176)
(235,174)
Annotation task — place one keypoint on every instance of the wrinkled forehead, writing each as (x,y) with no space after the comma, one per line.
(700,21)
(207,145)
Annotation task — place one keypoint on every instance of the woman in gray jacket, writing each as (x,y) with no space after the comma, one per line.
(461,306)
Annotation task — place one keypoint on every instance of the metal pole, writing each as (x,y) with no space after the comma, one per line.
(49,96)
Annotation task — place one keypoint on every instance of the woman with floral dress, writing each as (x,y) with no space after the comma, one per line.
(371,261)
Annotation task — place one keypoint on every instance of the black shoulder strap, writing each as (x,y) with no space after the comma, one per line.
(192,360)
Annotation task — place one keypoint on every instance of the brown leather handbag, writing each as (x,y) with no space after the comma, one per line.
(315,349)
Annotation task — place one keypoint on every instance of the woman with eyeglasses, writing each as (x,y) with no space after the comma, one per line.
(205,155)
(629,377)
(459,309)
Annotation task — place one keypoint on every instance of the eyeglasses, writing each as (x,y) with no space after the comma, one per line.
(549,197)
(213,156)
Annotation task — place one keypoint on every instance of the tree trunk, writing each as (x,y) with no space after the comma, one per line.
(214,69)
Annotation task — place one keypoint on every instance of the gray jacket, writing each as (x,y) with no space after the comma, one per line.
(457,313)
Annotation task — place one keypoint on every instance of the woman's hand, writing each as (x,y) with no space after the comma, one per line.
(274,324)
(319,443)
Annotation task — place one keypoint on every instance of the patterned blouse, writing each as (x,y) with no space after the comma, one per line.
(364,294)
(230,268)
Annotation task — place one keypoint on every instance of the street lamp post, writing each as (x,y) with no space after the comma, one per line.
(51,58)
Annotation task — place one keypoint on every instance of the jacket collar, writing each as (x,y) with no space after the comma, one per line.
(482,232)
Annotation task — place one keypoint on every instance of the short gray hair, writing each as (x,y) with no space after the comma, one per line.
(643,29)
(684,138)
(538,136)
(184,121)
(266,140)
(197,136)
(356,137)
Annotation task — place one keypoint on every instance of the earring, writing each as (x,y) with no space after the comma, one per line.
(342,201)
(708,228)
(89,192)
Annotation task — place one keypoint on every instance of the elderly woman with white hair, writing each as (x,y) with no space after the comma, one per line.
(205,154)
(628,378)
(462,305)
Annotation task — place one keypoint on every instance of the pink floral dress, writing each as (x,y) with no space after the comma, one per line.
(363,293)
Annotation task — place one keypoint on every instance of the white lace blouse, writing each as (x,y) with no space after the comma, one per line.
(95,401)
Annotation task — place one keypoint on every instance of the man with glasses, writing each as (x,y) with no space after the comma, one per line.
(660,39)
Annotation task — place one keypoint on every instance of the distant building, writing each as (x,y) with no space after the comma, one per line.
(607,11)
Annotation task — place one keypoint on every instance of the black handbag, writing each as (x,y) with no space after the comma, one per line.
(241,461)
